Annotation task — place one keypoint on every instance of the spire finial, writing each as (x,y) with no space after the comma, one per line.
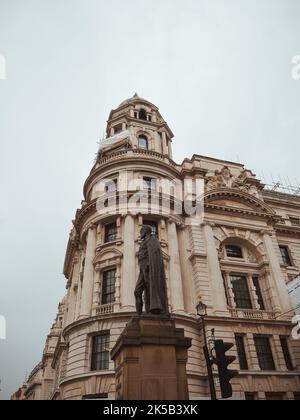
(135,95)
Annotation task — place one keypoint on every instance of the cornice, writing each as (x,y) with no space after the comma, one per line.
(131,157)
(287,230)
(235,210)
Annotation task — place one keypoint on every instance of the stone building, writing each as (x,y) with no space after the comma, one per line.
(238,260)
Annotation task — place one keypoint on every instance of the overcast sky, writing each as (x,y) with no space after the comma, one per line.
(219,70)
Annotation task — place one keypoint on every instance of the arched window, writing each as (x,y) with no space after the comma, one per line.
(234,251)
(143,143)
(143,114)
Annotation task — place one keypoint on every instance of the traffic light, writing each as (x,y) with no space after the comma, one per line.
(222,361)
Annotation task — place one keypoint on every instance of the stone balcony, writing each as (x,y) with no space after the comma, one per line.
(105,309)
(134,153)
(252,314)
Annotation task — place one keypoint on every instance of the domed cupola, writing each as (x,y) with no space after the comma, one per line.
(137,124)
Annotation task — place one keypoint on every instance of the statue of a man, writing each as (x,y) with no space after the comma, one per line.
(152,278)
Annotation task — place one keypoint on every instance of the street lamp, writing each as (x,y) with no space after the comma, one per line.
(201,309)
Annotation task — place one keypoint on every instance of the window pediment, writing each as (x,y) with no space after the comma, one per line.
(107,254)
(237,200)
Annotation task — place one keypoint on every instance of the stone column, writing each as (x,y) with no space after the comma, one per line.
(128,270)
(164,144)
(158,141)
(276,274)
(177,301)
(88,275)
(73,293)
(96,290)
(253,362)
(230,293)
(214,270)
(187,276)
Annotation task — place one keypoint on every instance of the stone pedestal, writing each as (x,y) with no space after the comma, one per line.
(150,360)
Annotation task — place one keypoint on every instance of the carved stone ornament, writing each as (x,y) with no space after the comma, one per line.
(225,179)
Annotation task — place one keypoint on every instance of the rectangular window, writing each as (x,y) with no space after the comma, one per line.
(241,292)
(117,129)
(294,221)
(259,295)
(95,397)
(234,251)
(100,352)
(285,254)
(264,353)
(110,232)
(111,186)
(274,396)
(286,353)
(154,226)
(149,184)
(108,287)
(240,345)
(250,396)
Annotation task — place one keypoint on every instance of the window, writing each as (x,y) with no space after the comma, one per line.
(250,396)
(143,114)
(274,396)
(149,184)
(286,353)
(111,185)
(143,143)
(100,352)
(110,232)
(149,118)
(95,397)
(234,251)
(240,346)
(259,295)
(241,292)
(297,396)
(136,114)
(108,287)
(285,255)
(117,128)
(264,353)
(294,221)
(153,225)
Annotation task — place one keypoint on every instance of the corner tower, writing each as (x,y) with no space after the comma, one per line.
(145,125)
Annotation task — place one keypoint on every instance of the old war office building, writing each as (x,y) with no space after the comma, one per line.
(239,261)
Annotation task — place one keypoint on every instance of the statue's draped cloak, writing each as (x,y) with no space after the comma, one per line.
(158,299)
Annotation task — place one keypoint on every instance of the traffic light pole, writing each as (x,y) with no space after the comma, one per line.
(212,388)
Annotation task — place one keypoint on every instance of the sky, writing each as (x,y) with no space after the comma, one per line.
(220,71)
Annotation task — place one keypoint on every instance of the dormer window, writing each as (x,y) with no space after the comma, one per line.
(136,114)
(143,143)
(149,117)
(234,251)
(143,114)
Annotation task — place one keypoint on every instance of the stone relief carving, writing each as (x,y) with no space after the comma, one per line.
(225,179)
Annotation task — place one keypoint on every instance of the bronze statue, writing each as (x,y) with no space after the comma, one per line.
(152,278)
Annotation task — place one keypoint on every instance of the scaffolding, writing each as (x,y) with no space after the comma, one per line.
(281,184)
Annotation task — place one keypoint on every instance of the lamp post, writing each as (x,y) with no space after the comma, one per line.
(202,313)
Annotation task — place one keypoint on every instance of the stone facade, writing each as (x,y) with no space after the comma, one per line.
(248,237)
